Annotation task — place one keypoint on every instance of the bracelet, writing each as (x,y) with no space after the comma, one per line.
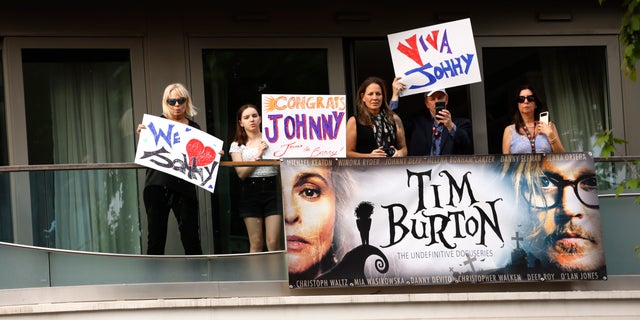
(552,141)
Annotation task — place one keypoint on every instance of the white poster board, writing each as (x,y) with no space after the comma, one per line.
(179,150)
(304,126)
(433,57)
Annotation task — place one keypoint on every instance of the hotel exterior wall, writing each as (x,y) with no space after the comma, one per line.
(165,31)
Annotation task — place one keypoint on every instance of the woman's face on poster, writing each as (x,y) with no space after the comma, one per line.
(309,213)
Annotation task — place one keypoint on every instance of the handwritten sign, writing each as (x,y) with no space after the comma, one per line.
(179,150)
(438,56)
(308,126)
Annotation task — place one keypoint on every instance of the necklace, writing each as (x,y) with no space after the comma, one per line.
(532,139)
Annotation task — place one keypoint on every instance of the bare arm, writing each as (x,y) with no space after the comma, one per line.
(554,139)
(397,86)
(243,172)
(401,147)
(506,140)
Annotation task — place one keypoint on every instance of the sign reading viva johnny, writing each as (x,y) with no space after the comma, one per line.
(437,56)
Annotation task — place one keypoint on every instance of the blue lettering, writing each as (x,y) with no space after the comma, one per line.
(160,134)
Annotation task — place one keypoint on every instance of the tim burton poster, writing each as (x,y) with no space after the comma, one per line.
(179,150)
(357,222)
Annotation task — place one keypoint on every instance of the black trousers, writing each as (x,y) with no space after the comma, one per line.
(158,201)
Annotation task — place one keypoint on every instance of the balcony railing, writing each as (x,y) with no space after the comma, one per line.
(106,229)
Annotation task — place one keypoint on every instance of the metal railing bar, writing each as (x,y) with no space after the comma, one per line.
(121,165)
(132,165)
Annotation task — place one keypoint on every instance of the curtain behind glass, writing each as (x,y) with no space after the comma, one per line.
(577,97)
(89,120)
(571,80)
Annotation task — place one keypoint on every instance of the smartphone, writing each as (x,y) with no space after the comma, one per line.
(544,117)
(439,106)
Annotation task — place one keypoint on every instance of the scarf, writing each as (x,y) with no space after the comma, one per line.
(383,130)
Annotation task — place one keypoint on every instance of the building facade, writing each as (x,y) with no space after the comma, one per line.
(78,77)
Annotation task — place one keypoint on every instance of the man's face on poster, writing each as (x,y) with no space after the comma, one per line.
(568,212)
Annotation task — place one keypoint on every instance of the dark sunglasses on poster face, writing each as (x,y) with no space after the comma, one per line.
(528,98)
(172,102)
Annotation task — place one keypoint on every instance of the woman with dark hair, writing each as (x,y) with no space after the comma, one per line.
(258,207)
(375,131)
(527,134)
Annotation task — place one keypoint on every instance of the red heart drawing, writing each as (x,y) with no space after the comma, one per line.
(203,155)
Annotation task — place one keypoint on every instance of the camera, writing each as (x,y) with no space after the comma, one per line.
(390,151)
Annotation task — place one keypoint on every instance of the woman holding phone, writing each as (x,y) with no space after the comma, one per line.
(527,133)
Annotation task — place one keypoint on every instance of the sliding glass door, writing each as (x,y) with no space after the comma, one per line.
(238,72)
(74,105)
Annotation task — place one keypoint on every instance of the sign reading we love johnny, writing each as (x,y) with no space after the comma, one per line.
(179,150)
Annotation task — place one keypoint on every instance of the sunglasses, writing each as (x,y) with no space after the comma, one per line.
(172,102)
(528,98)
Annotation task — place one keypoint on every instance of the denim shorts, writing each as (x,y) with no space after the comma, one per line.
(259,197)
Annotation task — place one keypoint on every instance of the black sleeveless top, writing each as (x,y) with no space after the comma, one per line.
(366,140)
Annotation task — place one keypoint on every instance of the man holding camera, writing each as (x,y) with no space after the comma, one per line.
(435,132)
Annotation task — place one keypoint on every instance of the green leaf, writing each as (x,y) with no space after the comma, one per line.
(620,141)
(619,190)
(634,23)
(600,140)
(633,184)
(607,150)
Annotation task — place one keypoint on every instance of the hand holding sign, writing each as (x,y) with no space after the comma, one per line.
(179,150)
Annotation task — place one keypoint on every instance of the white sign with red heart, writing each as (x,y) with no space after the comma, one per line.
(179,150)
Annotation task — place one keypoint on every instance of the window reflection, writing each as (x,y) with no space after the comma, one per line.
(79,107)
(234,77)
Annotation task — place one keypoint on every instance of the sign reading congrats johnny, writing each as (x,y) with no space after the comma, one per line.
(306,126)
(179,150)
(438,56)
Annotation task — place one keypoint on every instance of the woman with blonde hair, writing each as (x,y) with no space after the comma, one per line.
(164,193)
